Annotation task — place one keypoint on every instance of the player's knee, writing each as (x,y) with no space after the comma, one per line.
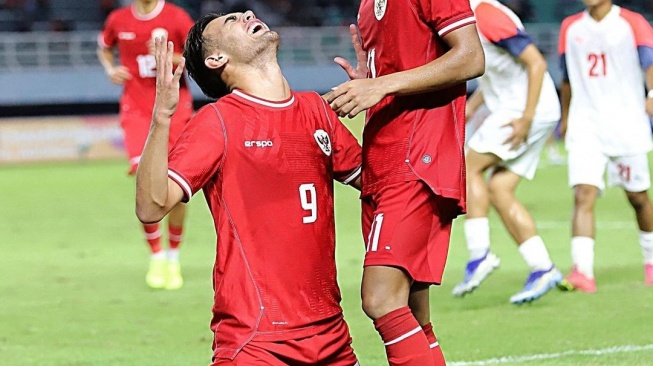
(377,304)
(584,197)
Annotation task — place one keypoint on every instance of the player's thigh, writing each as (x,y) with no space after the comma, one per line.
(136,126)
(586,165)
(630,172)
(410,229)
(525,164)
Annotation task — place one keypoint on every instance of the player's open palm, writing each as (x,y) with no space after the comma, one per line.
(167,78)
(360,72)
(520,128)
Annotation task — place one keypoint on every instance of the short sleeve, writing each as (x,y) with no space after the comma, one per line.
(347,159)
(497,27)
(446,16)
(199,151)
(107,37)
(643,36)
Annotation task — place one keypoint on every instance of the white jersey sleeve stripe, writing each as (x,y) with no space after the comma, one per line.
(454,25)
(353,176)
(182,183)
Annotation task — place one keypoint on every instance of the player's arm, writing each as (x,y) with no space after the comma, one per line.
(156,194)
(535,69)
(649,87)
(565,101)
(474,102)
(463,61)
(118,74)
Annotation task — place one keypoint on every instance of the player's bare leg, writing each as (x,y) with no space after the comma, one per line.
(176,217)
(583,232)
(385,293)
(481,262)
(419,304)
(521,226)
(644,213)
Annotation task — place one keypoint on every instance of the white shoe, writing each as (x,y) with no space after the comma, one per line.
(475,272)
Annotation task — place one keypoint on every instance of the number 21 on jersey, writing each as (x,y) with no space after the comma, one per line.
(598,65)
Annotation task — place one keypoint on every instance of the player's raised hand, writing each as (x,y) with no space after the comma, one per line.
(352,97)
(360,72)
(520,128)
(167,78)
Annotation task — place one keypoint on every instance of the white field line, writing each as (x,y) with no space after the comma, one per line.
(600,225)
(550,356)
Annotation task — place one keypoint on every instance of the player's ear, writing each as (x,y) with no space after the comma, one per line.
(215,61)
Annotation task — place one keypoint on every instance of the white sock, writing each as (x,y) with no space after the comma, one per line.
(646,241)
(477,233)
(535,254)
(161,254)
(582,253)
(173,255)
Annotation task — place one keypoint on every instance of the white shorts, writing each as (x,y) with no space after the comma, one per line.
(493,132)
(587,166)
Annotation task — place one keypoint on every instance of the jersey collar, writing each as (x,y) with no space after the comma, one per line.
(268,103)
(151,15)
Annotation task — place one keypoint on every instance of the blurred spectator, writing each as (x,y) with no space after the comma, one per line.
(522,8)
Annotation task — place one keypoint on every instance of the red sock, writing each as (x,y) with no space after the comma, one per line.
(153,237)
(436,351)
(175,235)
(405,342)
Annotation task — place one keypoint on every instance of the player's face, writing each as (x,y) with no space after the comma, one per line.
(593,3)
(241,35)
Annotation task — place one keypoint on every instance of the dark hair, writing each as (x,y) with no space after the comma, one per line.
(195,51)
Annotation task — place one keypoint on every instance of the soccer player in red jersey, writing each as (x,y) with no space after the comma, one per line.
(416,56)
(266,158)
(131,30)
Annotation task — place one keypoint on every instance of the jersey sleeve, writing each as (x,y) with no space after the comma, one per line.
(347,159)
(446,16)
(562,48)
(198,154)
(497,27)
(643,36)
(108,37)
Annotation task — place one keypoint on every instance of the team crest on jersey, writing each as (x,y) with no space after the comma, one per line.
(159,32)
(323,141)
(379,8)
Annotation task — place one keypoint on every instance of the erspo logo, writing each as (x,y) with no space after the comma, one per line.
(258,143)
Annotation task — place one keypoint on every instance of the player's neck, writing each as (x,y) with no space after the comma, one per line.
(265,82)
(144,7)
(600,11)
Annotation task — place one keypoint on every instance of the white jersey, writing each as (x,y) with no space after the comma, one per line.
(604,62)
(505,82)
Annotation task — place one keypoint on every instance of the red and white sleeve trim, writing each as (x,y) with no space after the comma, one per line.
(182,183)
(353,176)
(100,41)
(455,25)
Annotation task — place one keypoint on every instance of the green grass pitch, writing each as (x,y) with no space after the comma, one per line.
(72,290)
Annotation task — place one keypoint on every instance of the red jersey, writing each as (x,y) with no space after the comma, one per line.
(267,171)
(130,31)
(418,137)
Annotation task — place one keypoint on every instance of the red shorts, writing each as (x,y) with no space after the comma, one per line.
(408,226)
(330,347)
(136,127)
